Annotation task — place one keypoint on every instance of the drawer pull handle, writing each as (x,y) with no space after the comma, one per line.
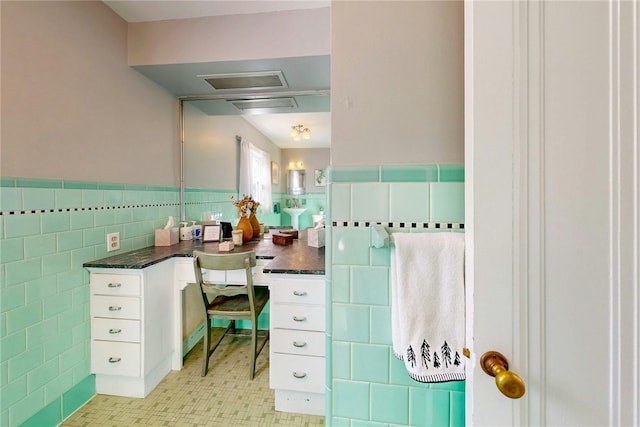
(114,359)
(299,318)
(299,344)
(115,331)
(115,308)
(300,293)
(114,285)
(299,375)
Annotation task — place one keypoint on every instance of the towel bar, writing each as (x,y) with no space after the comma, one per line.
(381,238)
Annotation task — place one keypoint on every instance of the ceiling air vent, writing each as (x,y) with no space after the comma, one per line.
(246,81)
(263,103)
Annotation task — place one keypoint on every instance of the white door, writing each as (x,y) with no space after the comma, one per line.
(553,216)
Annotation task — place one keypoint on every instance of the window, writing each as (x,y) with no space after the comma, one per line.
(255,174)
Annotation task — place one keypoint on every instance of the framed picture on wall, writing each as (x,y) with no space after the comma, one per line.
(275,173)
(320,177)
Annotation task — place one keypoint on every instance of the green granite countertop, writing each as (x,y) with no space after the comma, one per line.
(297,258)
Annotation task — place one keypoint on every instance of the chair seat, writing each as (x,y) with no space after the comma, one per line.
(234,302)
(239,302)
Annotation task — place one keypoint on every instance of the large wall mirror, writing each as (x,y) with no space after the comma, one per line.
(211,129)
(260,100)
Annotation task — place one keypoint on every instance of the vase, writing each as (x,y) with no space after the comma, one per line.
(245,225)
(255,225)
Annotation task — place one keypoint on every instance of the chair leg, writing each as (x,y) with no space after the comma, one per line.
(254,347)
(206,353)
(208,348)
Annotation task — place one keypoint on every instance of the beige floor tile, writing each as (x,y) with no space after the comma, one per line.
(225,397)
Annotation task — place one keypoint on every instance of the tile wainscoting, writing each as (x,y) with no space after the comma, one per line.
(366,384)
(48,229)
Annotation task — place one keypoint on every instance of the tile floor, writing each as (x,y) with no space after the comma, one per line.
(225,397)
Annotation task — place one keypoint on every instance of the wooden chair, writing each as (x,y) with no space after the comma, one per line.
(231,302)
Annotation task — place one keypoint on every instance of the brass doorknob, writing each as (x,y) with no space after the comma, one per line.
(509,383)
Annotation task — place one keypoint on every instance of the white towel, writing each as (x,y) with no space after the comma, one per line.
(427,304)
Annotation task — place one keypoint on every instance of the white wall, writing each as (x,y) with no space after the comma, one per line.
(397,82)
(211,151)
(71,107)
(231,37)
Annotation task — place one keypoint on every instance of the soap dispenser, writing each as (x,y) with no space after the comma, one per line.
(185,231)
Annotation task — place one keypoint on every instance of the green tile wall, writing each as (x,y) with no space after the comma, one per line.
(366,384)
(48,229)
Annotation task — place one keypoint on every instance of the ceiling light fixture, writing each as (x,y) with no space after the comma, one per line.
(300,132)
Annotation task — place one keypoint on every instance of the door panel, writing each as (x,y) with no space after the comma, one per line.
(552,209)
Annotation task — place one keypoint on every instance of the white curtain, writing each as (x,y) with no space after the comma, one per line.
(255,174)
(246,175)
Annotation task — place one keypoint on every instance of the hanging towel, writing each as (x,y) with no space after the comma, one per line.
(427,304)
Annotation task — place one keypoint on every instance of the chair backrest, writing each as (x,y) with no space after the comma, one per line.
(224,262)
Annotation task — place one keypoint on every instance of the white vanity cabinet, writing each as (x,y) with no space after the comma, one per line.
(297,342)
(131,328)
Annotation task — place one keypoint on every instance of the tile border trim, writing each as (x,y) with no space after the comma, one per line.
(59,210)
(400,224)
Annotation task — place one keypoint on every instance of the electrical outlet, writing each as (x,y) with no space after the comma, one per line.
(113,241)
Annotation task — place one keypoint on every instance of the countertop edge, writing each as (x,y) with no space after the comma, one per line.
(128,261)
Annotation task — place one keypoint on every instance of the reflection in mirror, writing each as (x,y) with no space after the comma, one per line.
(211,153)
(295,182)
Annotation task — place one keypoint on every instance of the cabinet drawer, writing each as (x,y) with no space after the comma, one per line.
(115,307)
(115,284)
(300,402)
(115,329)
(302,373)
(115,358)
(297,342)
(239,276)
(184,271)
(299,291)
(297,316)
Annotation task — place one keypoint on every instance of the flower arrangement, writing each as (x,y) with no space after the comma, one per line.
(246,206)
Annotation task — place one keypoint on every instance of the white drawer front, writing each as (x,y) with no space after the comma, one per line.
(258,276)
(115,284)
(302,373)
(236,276)
(184,271)
(300,402)
(297,342)
(115,329)
(115,307)
(297,316)
(300,291)
(115,358)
